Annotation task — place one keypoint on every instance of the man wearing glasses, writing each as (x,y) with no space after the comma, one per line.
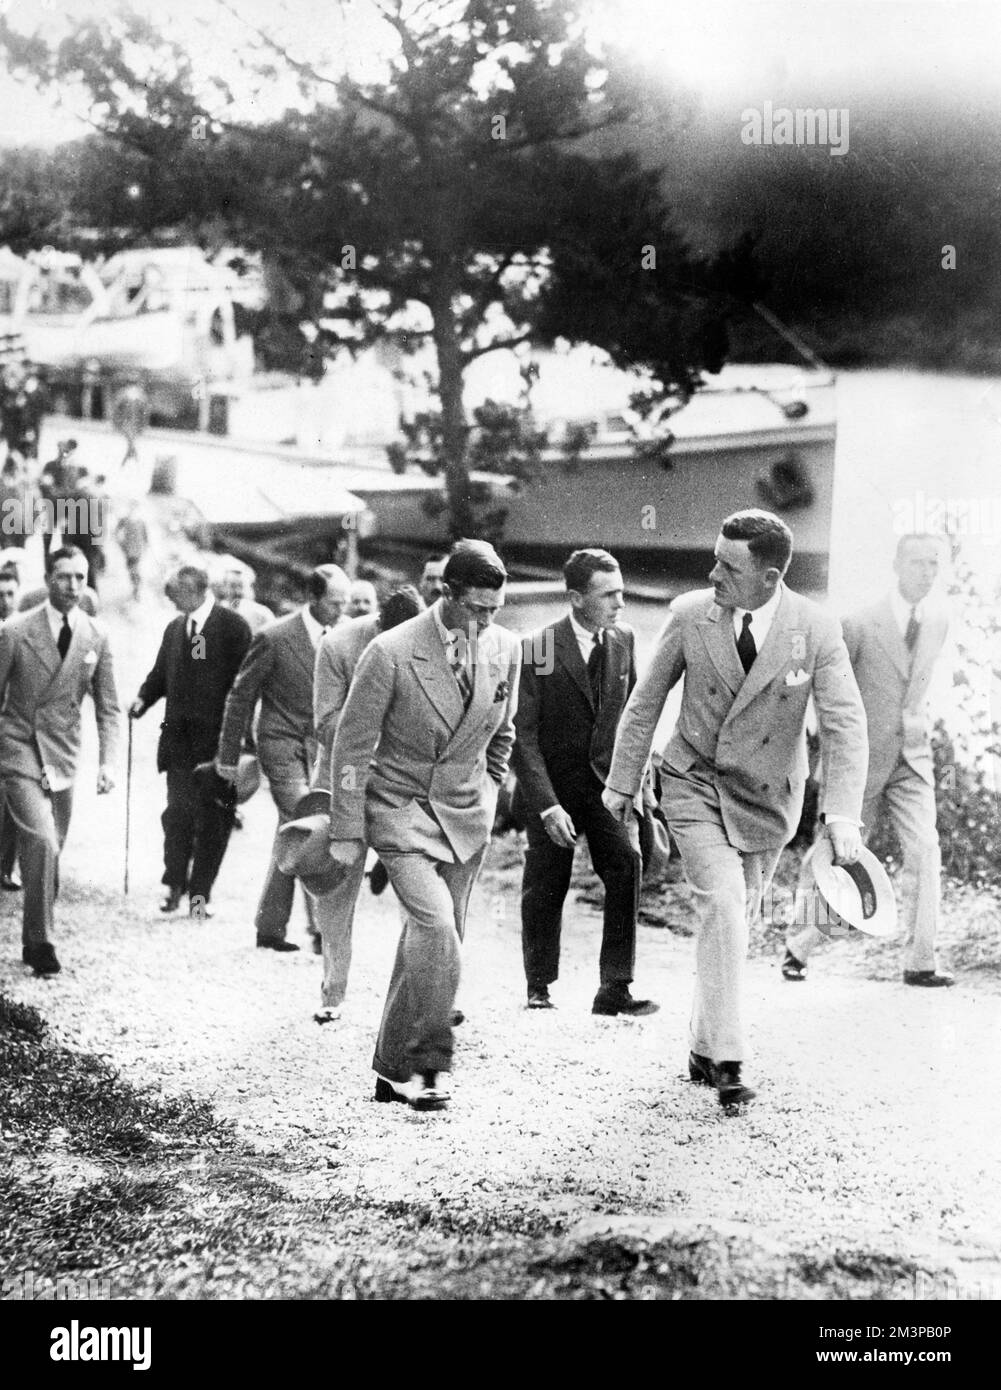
(421,750)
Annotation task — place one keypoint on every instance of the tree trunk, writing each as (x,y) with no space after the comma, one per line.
(454,435)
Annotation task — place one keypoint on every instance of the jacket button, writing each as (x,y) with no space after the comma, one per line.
(712,690)
(765,739)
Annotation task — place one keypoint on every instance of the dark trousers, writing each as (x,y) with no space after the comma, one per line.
(196,832)
(614,851)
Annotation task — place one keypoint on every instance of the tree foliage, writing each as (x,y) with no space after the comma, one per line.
(449,203)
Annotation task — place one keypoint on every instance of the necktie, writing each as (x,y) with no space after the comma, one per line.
(64,638)
(746,649)
(456,655)
(913,628)
(595,668)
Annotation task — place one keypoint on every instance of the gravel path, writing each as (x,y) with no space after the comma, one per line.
(875,1129)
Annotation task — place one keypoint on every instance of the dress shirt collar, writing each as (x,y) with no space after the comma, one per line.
(315,629)
(902,610)
(585,639)
(200,615)
(761,618)
(56,618)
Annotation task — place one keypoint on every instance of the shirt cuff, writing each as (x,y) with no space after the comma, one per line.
(549,810)
(842,820)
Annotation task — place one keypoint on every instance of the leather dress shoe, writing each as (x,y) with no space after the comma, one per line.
(200,910)
(731,1089)
(9,884)
(328,1014)
(701,1069)
(42,959)
(173,900)
(616,999)
(276,945)
(930,979)
(538,997)
(421,1092)
(793,969)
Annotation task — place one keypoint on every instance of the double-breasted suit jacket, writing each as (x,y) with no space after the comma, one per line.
(277,670)
(739,744)
(894,684)
(561,736)
(408,760)
(42,695)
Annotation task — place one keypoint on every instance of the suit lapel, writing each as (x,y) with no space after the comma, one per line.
(300,644)
(38,636)
(775,653)
(931,636)
(717,634)
(891,639)
(433,673)
(567,651)
(68,668)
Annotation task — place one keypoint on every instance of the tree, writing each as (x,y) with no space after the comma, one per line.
(452,202)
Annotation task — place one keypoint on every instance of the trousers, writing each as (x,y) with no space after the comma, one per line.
(727,885)
(42,819)
(196,831)
(415,1034)
(333,916)
(278,894)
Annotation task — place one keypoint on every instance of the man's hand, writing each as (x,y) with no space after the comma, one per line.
(560,828)
(137,709)
(105,781)
(345,851)
(617,804)
(846,840)
(227,773)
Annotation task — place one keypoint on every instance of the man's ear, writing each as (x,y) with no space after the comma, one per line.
(576,599)
(773,574)
(446,590)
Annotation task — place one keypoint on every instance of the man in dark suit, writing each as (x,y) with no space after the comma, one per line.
(50,659)
(199,656)
(278,671)
(752,654)
(576,676)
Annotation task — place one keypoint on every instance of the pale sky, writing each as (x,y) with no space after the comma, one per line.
(740,52)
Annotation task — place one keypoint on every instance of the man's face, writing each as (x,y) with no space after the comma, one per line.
(328,609)
(187,595)
(8,598)
(599,607)
(916,569)
(466,608)
(737,578)
(234,586)
(432,584)
(363,600)
(67,581)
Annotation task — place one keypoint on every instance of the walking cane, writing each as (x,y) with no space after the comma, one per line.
(128,804)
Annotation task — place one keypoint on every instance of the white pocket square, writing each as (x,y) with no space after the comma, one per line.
(90,659)
(799,677)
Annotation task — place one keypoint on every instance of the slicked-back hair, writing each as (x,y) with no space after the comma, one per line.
(902,543)
(194,574)
(768,537)
(65,552)
(582,564)
(319,580)
(403,603)
(474,565)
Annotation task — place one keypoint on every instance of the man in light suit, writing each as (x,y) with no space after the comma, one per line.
(278,671)
(576,676)
(421,750)
(50,658)
(200,654)
(336,659)
(893,646)
(752,654)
